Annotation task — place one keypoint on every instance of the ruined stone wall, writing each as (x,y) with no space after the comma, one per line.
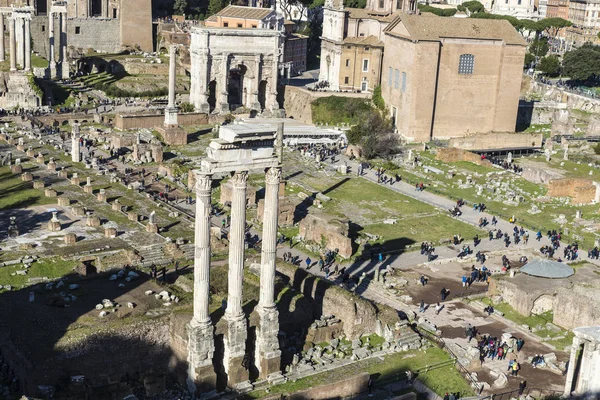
(358,316)
(345,388)
(149,121)
(518,298)
(580,190)
(286,211)
(327,231)
(537,112)
(577,306)
(100,34)
(540,175)
(491,141)
(452,154)
(574,101)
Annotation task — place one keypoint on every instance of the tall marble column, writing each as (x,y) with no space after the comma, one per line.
(2,50)
(51,56)
(255,93)
(268,355)
(21,41)
(64,64)
(235,339)
(11,44)
(222,85)
(171,110)
(75,149)
(201,347)
(27,44)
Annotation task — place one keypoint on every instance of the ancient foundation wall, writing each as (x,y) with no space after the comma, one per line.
(580,190)
(346,388)
(149,121)
(573,101)
(540,175)
(327,231)
(452,154)
(489,141)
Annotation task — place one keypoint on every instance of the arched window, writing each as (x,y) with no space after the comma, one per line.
(466,64)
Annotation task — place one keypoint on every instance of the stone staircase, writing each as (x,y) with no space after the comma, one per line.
(153,255)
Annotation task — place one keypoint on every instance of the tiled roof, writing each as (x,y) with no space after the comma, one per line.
(244,12)
(434,28)
(361,13)
(364,41)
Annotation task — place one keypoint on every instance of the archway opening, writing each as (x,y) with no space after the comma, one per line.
(262,94)
(212,97)
(235,86)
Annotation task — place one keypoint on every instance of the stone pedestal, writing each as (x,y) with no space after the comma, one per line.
(132,216)
(110,232)
(152,228)
(52,166)
(40,159)
(101,196)
(268,355)
(202,378)
(16,169)
(88,189)
(39,184)
(27,177)
(30,152)
(63,174)
(116,206)
(20,147)
(92,221)
(78,211)
(235,351)
(70,238)
(63,201)
(173,135)
(50,193)
(75,180)
(54,226)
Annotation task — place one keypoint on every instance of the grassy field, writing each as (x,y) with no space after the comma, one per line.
(335,110)
(392,367)
(368,205)
(49,267)
(15,193)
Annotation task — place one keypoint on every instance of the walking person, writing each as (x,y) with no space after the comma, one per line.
(522,387)
(438,308)
(422,306)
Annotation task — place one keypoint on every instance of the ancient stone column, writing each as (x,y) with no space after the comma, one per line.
(2,50)
(27,45)
(75,149)
(268,355)
(575,347)
(201,375)
(64,65)
(222,92)
(171,110)
(255,93)
(235,338)
(11,44)
(21,41)
(51,57)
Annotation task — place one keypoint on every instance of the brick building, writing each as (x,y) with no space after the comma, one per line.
(454,76)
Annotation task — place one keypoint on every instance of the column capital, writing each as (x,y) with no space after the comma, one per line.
(239,179)
(273,176)
(203,182)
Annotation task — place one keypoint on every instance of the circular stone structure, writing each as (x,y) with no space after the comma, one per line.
(545,268)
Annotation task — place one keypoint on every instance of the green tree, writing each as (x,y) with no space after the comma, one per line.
(186,107)
(583,63)
(180,7)
(549,65)
(539,47)
(552,25)
(214,6)
(529,58)
(378,99)
(474,6)
(374,134)
(441,12)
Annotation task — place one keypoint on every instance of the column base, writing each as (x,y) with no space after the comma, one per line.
(204,107)
(235,358)
(64,70)
(224,107)
(52,70)
(202,379)
(256,106)
(268,354)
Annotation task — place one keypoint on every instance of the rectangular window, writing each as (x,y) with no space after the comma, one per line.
(381,3)
(239,25)
(394,116)
(346,80)
(77,30)
(396,79)
(43,28)
(254,26)
(365,65)
(364,86)
(390,77)
(519,2)
(225,24)
(398,4)
(347,62)
(466,64)
(114,13)
(403,82)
